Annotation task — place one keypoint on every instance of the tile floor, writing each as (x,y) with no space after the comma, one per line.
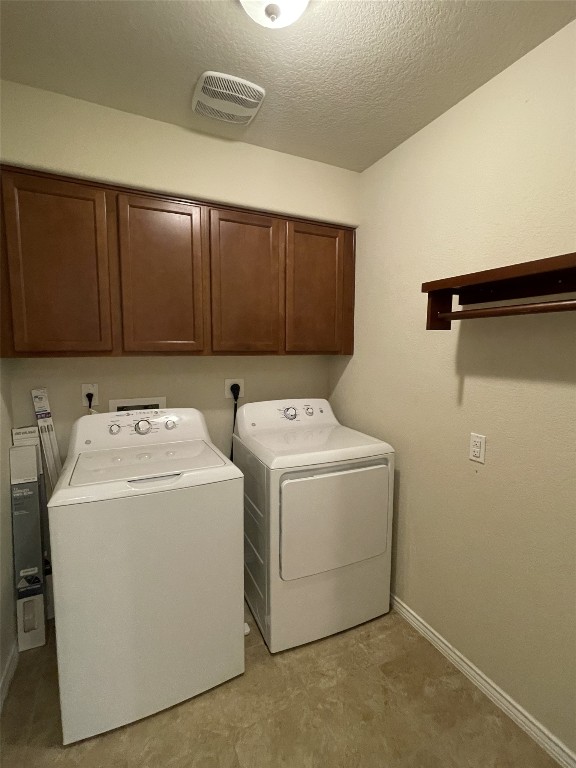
(377,696)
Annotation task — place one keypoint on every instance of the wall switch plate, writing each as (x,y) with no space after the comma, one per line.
(228,383)
(477,447)
(90,388)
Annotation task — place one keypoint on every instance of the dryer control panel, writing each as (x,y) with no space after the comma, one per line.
(283,414)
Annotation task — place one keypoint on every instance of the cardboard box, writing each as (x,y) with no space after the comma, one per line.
(31,436)
(27,537)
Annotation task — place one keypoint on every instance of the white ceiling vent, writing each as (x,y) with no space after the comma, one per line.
(228,98)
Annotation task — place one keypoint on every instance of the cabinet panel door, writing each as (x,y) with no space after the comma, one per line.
(316,269)
(247,282)
(58,264)
(161,275)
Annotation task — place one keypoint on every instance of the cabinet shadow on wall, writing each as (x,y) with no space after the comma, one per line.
(525,348)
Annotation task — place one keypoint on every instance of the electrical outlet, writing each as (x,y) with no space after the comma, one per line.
(477,447)
(228,383)
(90,388)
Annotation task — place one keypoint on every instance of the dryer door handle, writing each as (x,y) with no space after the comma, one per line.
(155,482)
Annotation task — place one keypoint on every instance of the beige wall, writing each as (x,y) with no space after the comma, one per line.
(185,381)
(485,554)
(7,610)
(52,132)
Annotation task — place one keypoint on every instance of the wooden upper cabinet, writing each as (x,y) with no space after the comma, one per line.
(246,252)
(56,241)
(88,268)
(319,289)
(161,275)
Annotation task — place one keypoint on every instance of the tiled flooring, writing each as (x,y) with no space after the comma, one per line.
(378,696)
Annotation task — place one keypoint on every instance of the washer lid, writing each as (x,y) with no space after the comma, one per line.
(303,447)
(143,461)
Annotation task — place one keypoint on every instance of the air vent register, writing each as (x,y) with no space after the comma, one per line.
(228,98)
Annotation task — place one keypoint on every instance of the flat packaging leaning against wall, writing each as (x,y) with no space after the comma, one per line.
(28,560)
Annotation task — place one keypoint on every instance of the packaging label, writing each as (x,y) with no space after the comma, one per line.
(28,571)
(41,404)
(21,434)
(28,587)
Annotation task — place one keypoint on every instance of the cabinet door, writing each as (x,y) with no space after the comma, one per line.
(319,289)
(247,282)
(58,265)
(161,275)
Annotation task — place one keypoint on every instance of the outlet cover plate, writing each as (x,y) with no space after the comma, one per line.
(90,388)
(477,448)
(228,383)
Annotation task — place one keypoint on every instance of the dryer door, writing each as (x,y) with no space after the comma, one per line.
(332,520)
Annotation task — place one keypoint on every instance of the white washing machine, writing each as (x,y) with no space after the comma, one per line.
(317,520)
(146,531)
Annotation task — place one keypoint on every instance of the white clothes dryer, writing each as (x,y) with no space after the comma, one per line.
(146,532)
(317,520)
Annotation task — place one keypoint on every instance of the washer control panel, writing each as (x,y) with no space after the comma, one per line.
(140,427)
(139,423)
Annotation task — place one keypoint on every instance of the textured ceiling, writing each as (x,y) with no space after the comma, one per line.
(344,85)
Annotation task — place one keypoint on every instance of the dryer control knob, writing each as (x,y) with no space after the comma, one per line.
(290,413)
(170,424)
(309,410)
(114,429)
(143,426)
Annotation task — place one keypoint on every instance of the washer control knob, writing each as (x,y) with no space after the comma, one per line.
(114,429)
(170,424)
(290,413)
(309,410)
(143,426)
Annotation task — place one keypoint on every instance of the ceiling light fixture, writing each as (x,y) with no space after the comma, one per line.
(277,14)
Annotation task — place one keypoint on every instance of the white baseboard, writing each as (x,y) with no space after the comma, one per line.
(8,673)
(555,748)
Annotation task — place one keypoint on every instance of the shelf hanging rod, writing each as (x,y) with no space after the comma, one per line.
(537,308)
